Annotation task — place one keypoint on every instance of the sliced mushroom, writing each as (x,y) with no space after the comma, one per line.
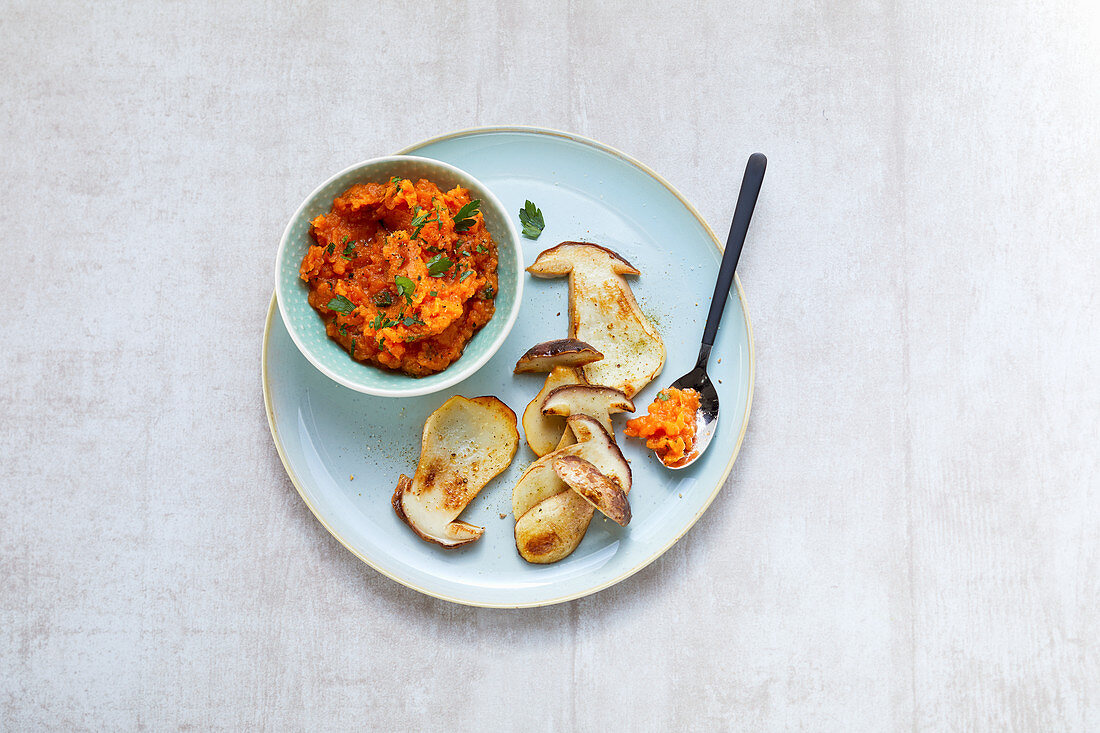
(604,313)
(592,443)
(551,518)
(562,352)
(543,432)
(586,399)
(465,443)
(597,489)
(563,360)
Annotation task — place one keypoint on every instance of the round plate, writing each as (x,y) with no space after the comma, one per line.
(326,433)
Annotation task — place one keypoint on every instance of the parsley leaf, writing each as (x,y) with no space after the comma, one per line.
(465,275)
(464,219)
(349,251)
(482,248)
(377,323)
(341,305)
(330,248)
(412,321)
(439,265)
(405,287)
(396,180)
(531,219)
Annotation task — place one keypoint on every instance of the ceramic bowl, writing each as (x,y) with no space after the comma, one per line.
(308,330)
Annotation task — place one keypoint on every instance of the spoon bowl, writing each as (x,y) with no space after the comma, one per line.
(706,416)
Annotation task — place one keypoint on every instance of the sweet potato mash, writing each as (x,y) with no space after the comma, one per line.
(403,274)
(669,428)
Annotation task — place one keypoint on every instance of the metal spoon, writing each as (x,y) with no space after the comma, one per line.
(706,417)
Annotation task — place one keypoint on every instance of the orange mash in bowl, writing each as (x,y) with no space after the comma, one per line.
(669,428)
(403,274)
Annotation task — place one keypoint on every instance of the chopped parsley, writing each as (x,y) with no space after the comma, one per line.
(464,219)
(343,329)
(381,322)
(481,248)
(434,293)
(465,275)
(330,248)
(412,321)
(439,265)
(488,292)
(405,287)
(418,223)
(662,396)
(531,219)
(341,305)
(383,298)
(349,251)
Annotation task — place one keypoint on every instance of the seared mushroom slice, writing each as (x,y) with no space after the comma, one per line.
(597,489)
(465,444)
(551,518)
(603,312)
(544,432)
(561,352)
(586,399)
(563,360)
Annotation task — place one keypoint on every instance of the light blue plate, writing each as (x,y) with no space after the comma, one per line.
(326,433)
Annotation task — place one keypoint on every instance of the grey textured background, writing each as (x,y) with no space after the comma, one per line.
(909,540)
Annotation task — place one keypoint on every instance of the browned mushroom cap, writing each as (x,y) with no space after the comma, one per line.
(561,259)
(596,488)
(562,352)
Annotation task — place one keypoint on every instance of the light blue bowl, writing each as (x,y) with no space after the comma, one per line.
(308,330)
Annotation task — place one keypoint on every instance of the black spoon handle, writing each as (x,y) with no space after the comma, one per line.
(746,202)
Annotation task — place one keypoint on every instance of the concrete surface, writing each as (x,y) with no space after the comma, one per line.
(909,540)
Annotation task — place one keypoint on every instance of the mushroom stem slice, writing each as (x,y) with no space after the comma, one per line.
(465,443)
(597,489)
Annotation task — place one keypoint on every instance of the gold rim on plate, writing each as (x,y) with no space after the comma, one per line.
(718,486)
